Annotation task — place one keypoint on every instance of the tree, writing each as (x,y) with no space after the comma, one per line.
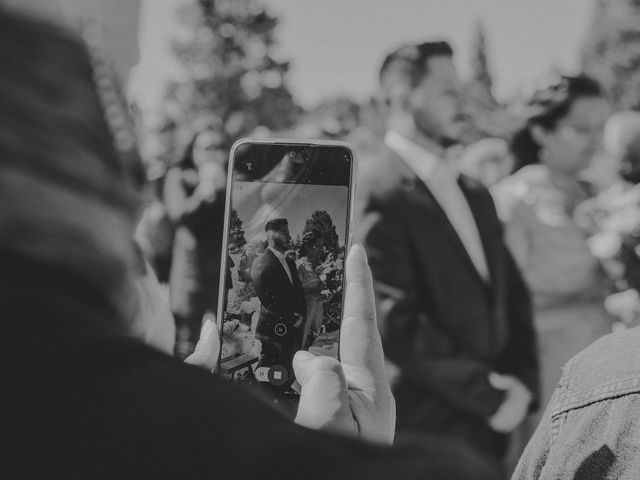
(236,232)
(487,117)
(232,82)
(481,77)
(612,50)
(320,220)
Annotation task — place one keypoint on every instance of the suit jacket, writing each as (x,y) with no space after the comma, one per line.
(281,301)
(441,323)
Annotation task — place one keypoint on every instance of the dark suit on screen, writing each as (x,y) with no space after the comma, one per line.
(442,324)
(282,306)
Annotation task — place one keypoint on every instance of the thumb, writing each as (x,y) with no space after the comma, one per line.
(324,402)
(500,382)
(207,349)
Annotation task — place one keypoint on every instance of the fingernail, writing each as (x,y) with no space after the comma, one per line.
(303,356)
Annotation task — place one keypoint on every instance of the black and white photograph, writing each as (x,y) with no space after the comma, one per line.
(337,239)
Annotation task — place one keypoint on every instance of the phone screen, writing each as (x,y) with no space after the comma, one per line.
(287,225)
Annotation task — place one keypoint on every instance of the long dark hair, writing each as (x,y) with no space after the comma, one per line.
(548,106)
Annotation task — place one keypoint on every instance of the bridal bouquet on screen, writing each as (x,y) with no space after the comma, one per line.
(330,272)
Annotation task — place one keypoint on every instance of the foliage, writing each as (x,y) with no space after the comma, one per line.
(331,273)
(612,50)
(321,220)
(487,117)
(332,118)
(613,218)
(236,232)
(232,84)
(480,64)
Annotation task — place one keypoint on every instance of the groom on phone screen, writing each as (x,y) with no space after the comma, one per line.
(282,312)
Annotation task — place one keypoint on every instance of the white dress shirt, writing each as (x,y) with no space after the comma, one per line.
(442,180)
(284,263)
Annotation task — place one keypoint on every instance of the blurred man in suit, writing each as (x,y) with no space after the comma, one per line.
(282,310)
(453,310)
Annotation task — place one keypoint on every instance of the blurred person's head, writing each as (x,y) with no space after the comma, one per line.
(622,144)
(487,160)
(564,128)
(70,195)
(278,236)
(421,87)
(312,244)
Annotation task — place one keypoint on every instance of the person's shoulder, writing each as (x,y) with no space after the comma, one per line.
(617,351)
(607,365)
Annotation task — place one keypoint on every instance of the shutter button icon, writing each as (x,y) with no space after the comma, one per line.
(278,375)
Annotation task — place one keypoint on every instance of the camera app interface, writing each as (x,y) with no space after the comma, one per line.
(287,234)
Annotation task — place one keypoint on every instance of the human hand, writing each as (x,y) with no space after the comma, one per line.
(350,396)
(207,349)
(515,405)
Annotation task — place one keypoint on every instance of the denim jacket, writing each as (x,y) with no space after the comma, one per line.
(591,428)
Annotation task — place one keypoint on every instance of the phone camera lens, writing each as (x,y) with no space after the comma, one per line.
(292,154)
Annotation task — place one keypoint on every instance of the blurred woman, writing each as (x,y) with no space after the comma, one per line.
(310,259)
(194,198)
(538,202)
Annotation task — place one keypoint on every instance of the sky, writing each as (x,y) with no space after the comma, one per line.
(296,203)
(336,46)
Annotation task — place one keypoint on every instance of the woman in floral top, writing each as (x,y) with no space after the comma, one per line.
(537,204)
(310,260)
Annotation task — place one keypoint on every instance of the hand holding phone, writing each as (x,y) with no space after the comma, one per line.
(352,396)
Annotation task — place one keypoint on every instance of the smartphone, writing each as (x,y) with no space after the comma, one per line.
(288,218)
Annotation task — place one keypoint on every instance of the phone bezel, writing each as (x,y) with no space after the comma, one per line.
(352,190)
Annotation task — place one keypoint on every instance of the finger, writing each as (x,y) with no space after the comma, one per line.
(499,422)
(500,382)
(207,349)
(360,344)
(324,402)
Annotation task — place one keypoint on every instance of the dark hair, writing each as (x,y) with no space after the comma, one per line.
(549,105)
(409,62)
(276,225)
(309,238)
